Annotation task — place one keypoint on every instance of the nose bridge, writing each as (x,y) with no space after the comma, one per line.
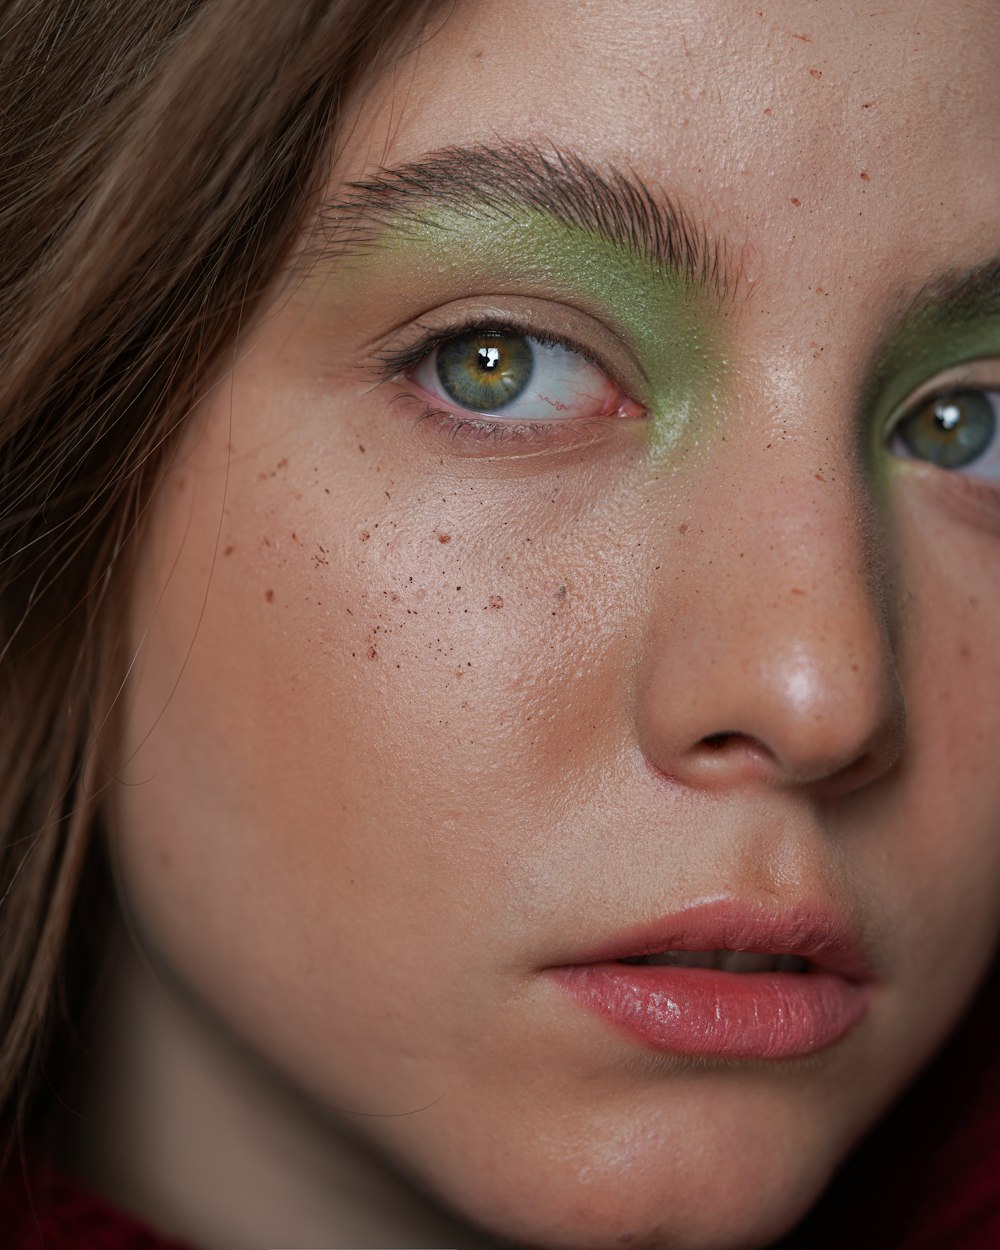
(770,656)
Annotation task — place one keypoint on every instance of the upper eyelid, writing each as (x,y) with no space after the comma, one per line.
(965,376)
(980,373)
(395,363)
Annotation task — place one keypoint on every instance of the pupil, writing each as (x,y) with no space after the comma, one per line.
(485,371)
(948,415)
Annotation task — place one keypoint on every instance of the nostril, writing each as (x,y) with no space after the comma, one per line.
(719,741)
(731,749)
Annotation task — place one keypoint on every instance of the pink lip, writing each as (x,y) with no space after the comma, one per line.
(704,1011)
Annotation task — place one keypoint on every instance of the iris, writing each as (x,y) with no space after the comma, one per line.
(485,371)
(950,430)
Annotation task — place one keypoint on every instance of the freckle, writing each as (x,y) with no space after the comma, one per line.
(816,73)
(797,591)
(444,538)
(229,550)
(269,596)
(164,857)
(964,652)
(282,463)
(865,176)
(181,483)
(496,601)
(361,449)
(793,200)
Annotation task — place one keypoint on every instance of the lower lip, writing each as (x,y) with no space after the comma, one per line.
(702,1011)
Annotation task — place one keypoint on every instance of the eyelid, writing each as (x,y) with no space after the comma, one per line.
(981,374)
(548,322)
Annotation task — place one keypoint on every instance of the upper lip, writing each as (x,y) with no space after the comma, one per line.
(816,933)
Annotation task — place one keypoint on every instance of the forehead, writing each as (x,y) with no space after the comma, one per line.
(820,134)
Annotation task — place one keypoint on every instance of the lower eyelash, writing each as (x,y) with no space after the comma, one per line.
(483,430)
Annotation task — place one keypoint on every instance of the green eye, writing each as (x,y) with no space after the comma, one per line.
(951,431)
(485,371)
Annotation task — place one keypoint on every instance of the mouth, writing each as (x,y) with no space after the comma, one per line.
(728,979)
(722,960)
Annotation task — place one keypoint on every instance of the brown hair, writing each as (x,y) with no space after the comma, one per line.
(157,158)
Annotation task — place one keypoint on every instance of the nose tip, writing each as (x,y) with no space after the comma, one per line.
(778,668)
(802,729)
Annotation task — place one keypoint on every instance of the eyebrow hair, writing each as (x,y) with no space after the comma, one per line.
(512,179)
(959,295)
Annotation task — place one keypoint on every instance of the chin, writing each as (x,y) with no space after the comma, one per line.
(720,1186)
(657,1215)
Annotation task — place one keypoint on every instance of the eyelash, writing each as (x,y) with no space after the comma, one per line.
(394,363)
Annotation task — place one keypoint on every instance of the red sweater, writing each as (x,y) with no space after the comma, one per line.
(41,1209)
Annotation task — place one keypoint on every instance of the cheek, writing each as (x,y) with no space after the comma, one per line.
(348,684)
(926,849)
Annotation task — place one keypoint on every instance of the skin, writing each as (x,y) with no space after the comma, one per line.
(415,716)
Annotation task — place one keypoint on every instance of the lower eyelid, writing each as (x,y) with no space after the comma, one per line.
(969,500)
(479,435)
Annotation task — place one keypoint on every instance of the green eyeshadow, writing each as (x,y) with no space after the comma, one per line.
(669,323)
(934,339)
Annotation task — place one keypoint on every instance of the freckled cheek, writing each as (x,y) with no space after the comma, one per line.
(425,666)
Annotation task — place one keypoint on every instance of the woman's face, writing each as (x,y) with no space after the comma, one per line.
(586,561)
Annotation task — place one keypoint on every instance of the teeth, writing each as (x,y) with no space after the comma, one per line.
(724,961)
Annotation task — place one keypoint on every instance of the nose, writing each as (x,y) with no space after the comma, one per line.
(769,657)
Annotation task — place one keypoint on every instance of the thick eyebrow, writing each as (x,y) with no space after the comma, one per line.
(959,295)
(952,298)
(509,180)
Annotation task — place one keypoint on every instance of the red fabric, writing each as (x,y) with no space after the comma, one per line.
(42,1209)
(949,1192)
